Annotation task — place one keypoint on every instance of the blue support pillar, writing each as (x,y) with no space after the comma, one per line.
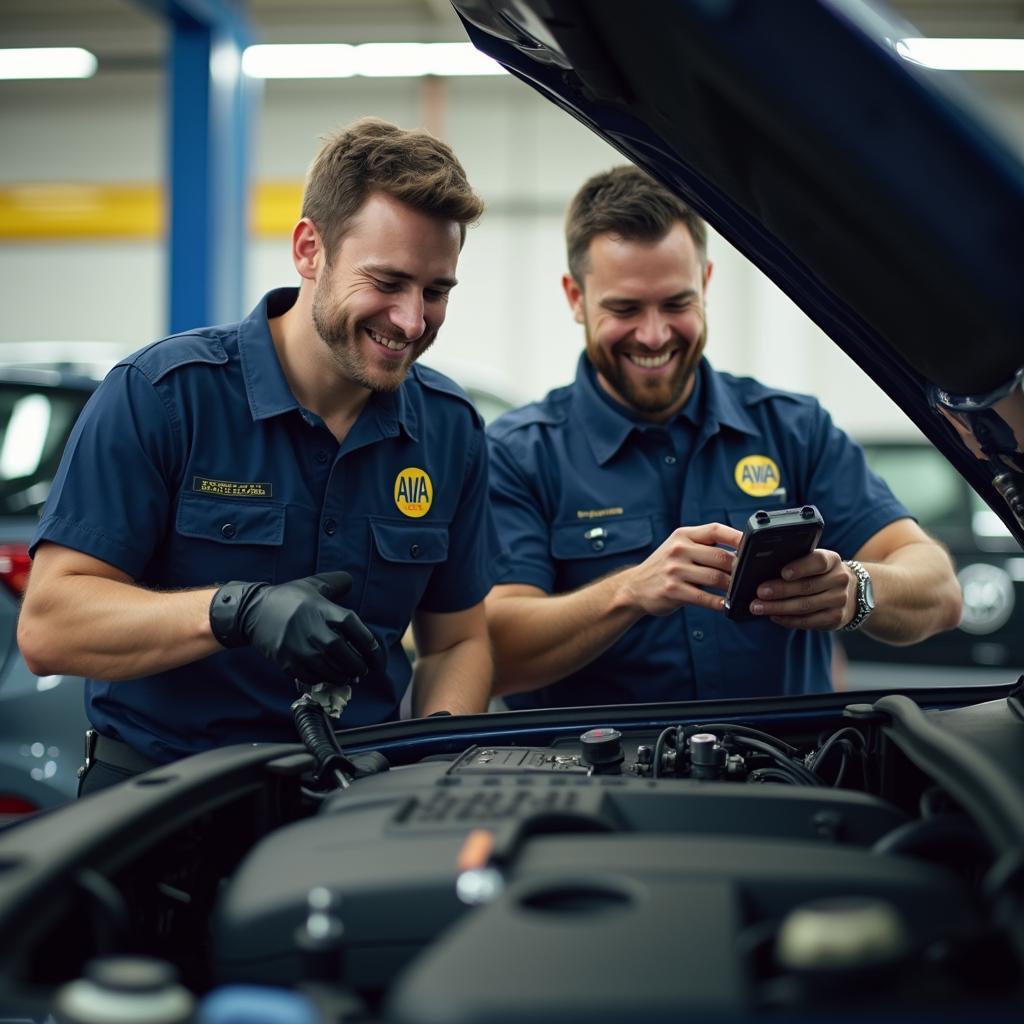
(209,114)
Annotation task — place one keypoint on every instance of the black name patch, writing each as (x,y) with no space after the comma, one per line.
(232,488)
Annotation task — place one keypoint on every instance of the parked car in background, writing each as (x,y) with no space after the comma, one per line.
(989,643)
(43,388)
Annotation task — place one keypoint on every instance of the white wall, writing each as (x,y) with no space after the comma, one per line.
(507,320)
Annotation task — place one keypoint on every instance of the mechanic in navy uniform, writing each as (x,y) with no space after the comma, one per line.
(246,505)
(621,496)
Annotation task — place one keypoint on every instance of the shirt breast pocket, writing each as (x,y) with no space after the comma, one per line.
(588,549)
(403,557)
(220,540)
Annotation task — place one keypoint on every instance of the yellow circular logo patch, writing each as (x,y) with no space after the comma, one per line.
(413,492)
(758,476)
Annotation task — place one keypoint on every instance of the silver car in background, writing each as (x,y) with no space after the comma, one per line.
(43,387)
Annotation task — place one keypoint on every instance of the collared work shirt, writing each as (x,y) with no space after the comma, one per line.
(193,464)
(577,495)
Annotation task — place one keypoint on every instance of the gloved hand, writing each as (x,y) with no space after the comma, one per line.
(299,626)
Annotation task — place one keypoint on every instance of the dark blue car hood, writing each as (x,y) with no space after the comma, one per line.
(871,190)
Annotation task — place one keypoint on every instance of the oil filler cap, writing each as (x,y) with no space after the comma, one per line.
(602,748)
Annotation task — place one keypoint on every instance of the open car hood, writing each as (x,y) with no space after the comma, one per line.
(869,188)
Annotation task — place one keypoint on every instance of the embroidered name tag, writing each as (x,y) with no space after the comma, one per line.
(597,513)
(231,488)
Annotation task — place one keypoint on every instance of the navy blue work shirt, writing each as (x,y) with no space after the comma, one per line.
(581,487)
(193,464)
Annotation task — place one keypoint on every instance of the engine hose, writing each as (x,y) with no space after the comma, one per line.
(316,733)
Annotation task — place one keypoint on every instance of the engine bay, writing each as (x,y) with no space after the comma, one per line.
(861,855)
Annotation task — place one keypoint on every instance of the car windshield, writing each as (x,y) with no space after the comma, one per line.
(35,423)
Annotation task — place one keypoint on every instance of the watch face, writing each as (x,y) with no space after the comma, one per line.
(868,593)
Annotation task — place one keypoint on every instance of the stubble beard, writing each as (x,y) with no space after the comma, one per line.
(341,336)
(655,396)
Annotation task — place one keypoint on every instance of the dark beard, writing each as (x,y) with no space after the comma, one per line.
(654,400)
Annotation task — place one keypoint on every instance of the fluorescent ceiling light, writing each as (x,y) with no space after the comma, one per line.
(47,62)
(964,54)
(300,60)
(372,60)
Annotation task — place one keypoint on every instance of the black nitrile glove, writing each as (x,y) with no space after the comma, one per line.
(298,626)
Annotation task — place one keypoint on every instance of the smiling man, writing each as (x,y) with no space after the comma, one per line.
(244,506)
(621,497)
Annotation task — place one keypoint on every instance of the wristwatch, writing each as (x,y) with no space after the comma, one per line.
(865,596)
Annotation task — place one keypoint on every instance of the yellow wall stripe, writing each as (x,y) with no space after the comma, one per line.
(276,207)
(39,211)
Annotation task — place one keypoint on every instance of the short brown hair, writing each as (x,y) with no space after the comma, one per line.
(629,203)
(371,155)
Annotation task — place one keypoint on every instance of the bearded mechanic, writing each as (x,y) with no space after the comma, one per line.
(246,505)
(621,496)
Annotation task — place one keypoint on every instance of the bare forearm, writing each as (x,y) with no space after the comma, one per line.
(916,595)
(107,629)
(457,679)
(539,639)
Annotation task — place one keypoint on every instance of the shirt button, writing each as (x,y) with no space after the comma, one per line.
(698,634)
(598,545)
(322,456)
(228,530)
(415,551)
(670,459)
(330,527)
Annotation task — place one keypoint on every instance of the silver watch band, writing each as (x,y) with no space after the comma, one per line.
(864,606)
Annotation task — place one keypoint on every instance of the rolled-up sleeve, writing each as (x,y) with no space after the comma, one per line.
(519,515)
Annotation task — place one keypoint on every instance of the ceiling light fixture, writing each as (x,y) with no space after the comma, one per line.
(299,60)
(964,54)
(47,62)
(371,60)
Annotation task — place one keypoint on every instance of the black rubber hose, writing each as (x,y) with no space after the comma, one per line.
(790,766)
(773,775)
(316,733)
(659,749)
(822,752)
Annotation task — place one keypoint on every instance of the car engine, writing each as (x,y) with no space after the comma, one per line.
(860,858)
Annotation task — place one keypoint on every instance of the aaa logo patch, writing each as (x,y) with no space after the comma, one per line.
(413,492)
(758,476)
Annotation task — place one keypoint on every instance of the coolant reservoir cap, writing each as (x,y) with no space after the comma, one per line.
(601,746)
(841,933)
